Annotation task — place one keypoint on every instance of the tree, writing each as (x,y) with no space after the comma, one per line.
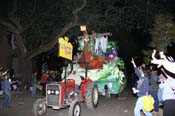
(41,22)
(37,24)
(37,27)
(163,35)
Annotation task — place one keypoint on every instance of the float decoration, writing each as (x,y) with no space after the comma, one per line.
(105,67)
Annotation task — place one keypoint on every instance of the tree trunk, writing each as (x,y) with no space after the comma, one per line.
(22,69)
(5,52)
(21,65)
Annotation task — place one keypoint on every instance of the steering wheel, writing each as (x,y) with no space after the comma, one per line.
(72,80)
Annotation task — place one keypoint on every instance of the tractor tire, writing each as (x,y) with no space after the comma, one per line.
(91,97)
(39,107)
(75,108)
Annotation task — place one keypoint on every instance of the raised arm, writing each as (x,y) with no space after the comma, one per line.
(133,63)
(169,66)
(136,70)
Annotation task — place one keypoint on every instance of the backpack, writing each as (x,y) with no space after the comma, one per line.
(148,103)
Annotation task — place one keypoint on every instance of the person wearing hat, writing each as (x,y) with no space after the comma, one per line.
(6,87)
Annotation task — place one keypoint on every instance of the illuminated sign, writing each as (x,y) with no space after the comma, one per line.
(65,48)
(83,28)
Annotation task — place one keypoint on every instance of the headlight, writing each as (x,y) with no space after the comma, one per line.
(48,91)
(52,92)
(57,92)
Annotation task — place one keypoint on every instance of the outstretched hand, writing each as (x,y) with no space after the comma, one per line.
(132,60)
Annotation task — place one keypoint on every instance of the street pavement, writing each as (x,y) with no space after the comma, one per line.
(122,105)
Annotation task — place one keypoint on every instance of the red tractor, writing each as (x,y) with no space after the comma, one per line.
(62,94)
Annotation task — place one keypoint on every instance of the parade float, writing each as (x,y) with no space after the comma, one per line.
(101,63)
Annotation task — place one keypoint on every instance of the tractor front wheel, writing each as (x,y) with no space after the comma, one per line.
(39,107)
(75,108)
(91,97)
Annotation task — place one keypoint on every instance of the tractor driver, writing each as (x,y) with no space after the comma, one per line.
(74,76)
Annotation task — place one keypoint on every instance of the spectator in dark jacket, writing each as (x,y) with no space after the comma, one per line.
(153,90)
(141,90)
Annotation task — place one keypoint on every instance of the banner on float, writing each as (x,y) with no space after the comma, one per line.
(65,48)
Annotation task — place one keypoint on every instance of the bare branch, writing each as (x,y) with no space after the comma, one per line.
(108,10)
(44,48)
(67,27)
(80,8)
(10,26)
(16,22)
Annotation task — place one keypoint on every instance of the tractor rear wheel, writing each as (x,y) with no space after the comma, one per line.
(91,97)
(75,108)
(39,107)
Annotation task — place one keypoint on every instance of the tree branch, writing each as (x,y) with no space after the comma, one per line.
(80,8)
(6,23)
(67,27)
(14,27)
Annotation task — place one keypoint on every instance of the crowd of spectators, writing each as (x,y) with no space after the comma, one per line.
(158,81)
